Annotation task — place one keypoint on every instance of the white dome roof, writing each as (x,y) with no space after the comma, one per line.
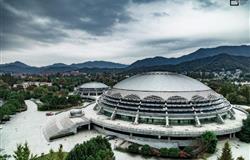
(94,85)
(161,82)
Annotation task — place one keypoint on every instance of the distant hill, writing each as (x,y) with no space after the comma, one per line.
(214,63)
(155,61)
(209,59)
(18,67)
(98,64)
(243,50)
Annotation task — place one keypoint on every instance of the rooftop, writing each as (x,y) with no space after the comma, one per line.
(160,82)
(94,85)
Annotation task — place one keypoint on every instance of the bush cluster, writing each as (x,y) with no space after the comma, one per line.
(146,150)
(170,152)
(95,149)
(51,102)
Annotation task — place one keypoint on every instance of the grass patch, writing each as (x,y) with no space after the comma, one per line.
(51,156)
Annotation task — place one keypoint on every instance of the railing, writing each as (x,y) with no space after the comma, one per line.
(170,132)
(160,104)
(179,112)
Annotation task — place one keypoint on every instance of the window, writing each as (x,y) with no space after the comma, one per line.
(177,99)
(153,98)
(132,96)
(198,98)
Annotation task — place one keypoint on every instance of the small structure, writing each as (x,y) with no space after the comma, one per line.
(76,113)
(92,89)
(30,83)
(65,123)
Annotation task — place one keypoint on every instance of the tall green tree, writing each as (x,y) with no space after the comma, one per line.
(244,134)
(60,154)
(209,140)
(226,152)
(23,153)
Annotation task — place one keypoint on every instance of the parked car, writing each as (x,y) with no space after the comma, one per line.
(110,137)
(49,114)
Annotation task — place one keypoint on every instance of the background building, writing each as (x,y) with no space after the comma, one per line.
(91,89)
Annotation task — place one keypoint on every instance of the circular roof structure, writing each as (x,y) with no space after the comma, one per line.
(157,94)
(94,85)
(161,82)
(162,86)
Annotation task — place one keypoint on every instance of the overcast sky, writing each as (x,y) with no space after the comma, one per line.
(42,32)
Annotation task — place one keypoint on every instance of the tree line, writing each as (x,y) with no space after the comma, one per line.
(13,101)
(236,94)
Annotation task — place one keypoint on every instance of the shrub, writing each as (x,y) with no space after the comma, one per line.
(145,150)
(133,148)
(173,152)
(188,150)
(164,152)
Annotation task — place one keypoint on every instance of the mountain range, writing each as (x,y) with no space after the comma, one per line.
(206,59)
(19,67)
(243,50)
(212,63)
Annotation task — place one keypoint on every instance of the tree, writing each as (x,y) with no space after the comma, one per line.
(133,148)
(244,134)
(39,92)
(97,148)
(145,150)
(60,154)
(226,153)
(4,157)
(74,99)
(50,155)
(209,140)
(240,158)
(23,153)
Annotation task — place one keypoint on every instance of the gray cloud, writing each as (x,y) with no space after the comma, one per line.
(94,17)
(160,14)
(101,14)
(112,28)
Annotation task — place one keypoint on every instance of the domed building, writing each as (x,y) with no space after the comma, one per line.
(165,98)
(92,89)
(164,105)
(160,108)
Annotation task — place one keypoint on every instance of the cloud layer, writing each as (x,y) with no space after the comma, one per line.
(44,32)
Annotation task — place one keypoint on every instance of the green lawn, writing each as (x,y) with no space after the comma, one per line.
(50,157)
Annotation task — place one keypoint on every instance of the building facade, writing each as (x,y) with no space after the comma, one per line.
(92,89)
